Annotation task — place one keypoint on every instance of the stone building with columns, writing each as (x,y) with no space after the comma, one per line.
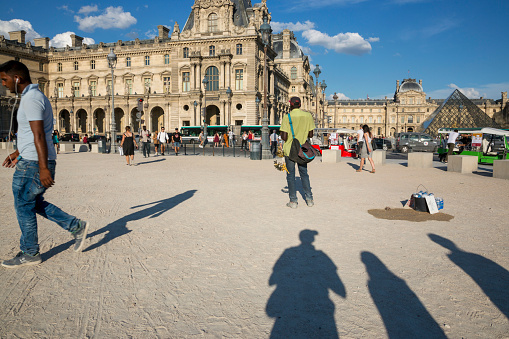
(220,40)
(405,112)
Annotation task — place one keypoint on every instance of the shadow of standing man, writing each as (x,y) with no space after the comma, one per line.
(492,278)
(402,312)
(300,303)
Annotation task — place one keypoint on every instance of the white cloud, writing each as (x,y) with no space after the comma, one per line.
(88,9)
(306,4)
(112,17)
(341,96)
(347,43)
(373,39)
(18,25)
(150,34)
(491,91)
(295,27)
(64,39)
(306,50)
(66,8)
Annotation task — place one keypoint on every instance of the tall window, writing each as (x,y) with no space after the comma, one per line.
(60,89)
(129,86)
(92,64)
(147,60)
(186,86)
(186,52)
(370,120)
(41,86)
(410,119)
(41,67)
(212,75)
(76,87)
(293,89)
(93,88)
(362,120)
(402,119)
(379,120)
(239,79)
(418,119)
(76,66)
(128,62)
(294,73)
(167,59)
(239,49)
(212,21)
(59,67)
(344,120)
(146,82)
(166,83)
(393,120)
(212,50)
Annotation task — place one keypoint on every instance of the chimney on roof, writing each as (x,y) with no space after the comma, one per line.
(19,36)
(420,82)
(163,32)
(76,41)
(42,42)
(397,85)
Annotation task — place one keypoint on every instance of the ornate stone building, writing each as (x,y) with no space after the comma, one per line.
(220,40)
(406,111)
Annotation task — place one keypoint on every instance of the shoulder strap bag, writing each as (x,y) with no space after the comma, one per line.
(301,154)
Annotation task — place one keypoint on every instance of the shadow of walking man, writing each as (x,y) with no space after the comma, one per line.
(300,303)
(402,312)
(119,228)
(492,278)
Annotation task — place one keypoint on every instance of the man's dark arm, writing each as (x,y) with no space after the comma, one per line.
(42,152)
(284,136)
(310,134)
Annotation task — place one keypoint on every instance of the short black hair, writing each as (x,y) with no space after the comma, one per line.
(13,67)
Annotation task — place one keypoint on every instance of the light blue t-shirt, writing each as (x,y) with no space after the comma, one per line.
(34,106)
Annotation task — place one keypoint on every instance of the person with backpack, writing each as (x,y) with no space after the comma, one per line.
(301,127)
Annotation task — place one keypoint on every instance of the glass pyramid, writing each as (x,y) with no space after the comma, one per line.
(457,111)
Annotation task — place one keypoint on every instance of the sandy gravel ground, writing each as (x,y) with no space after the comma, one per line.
(204,247)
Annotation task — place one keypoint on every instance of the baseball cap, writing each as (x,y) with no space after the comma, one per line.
(295,101)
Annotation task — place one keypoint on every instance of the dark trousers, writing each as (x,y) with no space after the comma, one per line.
(273,148)
(146,149)
(449,151)
(244,144)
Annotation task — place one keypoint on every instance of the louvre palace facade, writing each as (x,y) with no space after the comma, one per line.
(220,40)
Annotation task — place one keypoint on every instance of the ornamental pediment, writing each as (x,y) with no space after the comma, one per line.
(128,75)
(212,3)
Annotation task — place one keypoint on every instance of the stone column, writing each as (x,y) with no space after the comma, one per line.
(192,76)
(229,74)
(222,75)
(199,77)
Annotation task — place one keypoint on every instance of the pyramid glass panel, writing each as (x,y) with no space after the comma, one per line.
(457,111)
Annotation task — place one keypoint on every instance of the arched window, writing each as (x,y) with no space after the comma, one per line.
(147,60)
(76,66)
(212,50)
(294,73)
(186,53)
(128,62)
(92,64)
(212,75)
(212,21)
(167,59)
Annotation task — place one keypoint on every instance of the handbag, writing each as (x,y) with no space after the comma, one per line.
(120,150)
(301,154)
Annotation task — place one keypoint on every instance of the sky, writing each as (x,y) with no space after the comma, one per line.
(361,46)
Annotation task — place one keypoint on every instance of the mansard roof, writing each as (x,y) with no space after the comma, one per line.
(240,17)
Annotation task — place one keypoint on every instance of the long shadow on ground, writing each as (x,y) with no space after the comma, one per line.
(402,312)
(300,304)
(119,227)
(492,278)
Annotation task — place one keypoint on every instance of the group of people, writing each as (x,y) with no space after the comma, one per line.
(159,139)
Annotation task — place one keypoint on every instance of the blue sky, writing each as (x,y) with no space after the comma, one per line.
(362,46)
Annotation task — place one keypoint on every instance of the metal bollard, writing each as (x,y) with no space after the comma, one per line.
(234,150)
(185,149)
(223,150)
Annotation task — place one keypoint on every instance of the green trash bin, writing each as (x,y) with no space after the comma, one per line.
(101,145)
(256,150)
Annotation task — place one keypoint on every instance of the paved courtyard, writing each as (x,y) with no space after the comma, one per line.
(204,247)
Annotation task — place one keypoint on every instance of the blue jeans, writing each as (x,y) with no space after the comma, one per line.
(304,178)
(29,201)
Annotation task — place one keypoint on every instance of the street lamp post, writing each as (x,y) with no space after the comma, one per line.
(229,94)
(205,83)
(317,74)
(324,86)
(112,63)
(335,97)
(257,100)
(195,105)
(266,31)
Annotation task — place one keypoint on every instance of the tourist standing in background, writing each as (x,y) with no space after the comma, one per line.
(145,142)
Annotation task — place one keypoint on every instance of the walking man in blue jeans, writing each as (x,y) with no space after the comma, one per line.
(303,126)
(35,164)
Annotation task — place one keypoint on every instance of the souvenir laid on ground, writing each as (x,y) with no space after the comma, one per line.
(423,201)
